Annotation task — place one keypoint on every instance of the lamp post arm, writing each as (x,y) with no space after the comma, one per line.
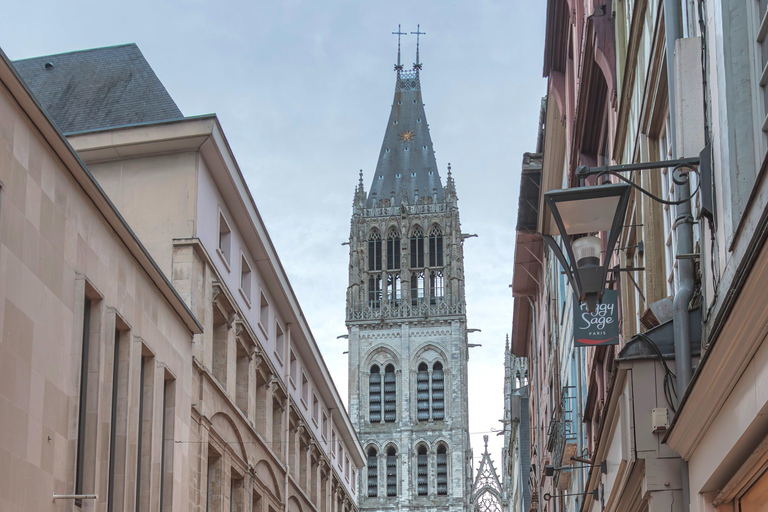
(584,172)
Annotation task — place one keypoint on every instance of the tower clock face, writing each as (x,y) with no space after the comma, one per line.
(406,135)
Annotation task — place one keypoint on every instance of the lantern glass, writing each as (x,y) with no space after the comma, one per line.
(588,215)
(587,250)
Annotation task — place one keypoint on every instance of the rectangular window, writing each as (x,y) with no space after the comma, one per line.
(393,253)
(225,238)
(393,289)
(83,397)
(315,409)
(213,478)
(374,291)
(324,431)
(245,278)
(279,342)
(264,313)
(144,444)
(166,448)
(294,369)
(113,422)
(333,444)
(304,389)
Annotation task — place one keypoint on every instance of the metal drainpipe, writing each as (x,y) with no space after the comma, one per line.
(536,410)
(684,231)
(579,423)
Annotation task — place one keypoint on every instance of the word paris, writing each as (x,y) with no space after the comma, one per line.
(600,327)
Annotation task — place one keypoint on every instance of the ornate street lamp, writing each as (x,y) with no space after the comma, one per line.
(579,213)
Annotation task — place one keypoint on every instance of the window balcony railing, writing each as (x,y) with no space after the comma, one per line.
(424,308)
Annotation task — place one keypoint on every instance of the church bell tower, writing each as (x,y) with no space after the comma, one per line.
(406,318)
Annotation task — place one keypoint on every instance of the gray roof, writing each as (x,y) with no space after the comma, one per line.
(407,159)
(98,88)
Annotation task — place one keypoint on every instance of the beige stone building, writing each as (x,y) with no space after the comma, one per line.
(259,425)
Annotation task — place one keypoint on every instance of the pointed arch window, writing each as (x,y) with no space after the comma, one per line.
(417,248)
(374,395)
(393,289)
(438,392)
(390,394)
(393,251)
(373,473)
(422,471)
(436,286)
(391,472)
(374,251)
(422,392)
(417,288)
(442,470)
(436,247)
(374,291)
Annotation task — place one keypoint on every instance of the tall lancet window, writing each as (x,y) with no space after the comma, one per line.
(438,392)
(436,286)
(373,473)
(417,249)
(422,392)
(442,470)
(374,395)
(422,471)
(391,472)
(393,289)
(436,247)
(374,291)
(417,288)
(393,250)
(374,251)
(390,394)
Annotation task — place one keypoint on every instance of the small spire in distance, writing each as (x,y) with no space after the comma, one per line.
(361,179)
(398,66)
(417,64)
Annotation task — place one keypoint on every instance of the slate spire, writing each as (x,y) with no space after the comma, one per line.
(407,159)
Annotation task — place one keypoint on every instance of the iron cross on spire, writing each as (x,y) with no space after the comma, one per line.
(418,33)
(398,66)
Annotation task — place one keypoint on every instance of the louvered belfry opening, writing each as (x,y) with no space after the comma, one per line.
(390,394)
(374,395)
(422,471)
(442,470)
(422,392)
(373,473)
(391,472)
(438,392)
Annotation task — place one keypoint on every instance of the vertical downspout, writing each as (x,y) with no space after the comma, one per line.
(536,409)
(684,232)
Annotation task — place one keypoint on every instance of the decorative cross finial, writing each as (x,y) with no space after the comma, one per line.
(449,170)
(361,178)
(418,33)
(485,438)
(398,66)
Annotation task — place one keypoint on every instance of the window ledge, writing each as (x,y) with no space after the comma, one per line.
(279,359)
(245,298)
(314,422)
(293,384)
(304,403)
(223,259)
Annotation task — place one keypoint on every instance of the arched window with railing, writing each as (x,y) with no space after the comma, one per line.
(438,392)
(422,392)
(436,286)
(417,287)
(436,247)
(417,248)
(374,395)
(390,394)
(442,470)
(391,472)
(373,473)
(422,471)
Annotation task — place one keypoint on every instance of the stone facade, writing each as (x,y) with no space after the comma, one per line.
(407,325)
(223,401)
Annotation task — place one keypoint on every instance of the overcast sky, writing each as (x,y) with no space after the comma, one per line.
(303,90)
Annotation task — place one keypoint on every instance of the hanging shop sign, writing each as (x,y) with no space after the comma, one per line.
(600,327)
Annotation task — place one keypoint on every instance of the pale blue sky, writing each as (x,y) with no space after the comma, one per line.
(303,90)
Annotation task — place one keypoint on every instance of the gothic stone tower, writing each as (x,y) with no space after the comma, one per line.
(407,323)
